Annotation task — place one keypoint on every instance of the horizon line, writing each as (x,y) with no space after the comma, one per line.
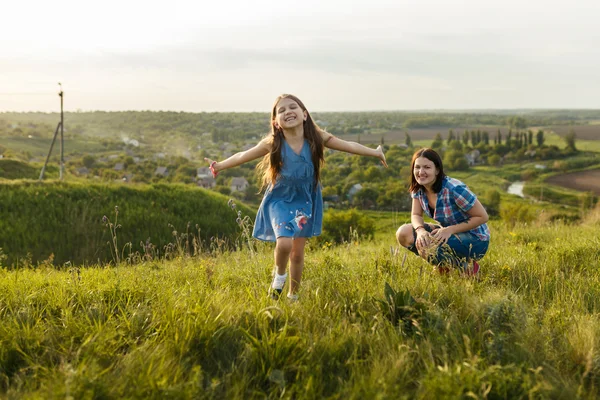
(79,111)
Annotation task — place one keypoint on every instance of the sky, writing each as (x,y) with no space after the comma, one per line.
(335,55)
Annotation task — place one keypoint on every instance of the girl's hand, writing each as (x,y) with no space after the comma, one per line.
(381,156)
(212,164)
(441,235)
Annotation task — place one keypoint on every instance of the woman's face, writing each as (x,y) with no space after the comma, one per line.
(288,114)
(425,172)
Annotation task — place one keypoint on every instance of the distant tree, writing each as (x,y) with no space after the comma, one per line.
(539,137)
(456,145)
(88,161)
(438,142)
(486,138)
(455,160)
(382,140)
(494,159)
(329,191)
(365,197)
(451,136)
(570,140)
(407,139)
(465,137)
(529,137)
(509,138)
(518,137)
(251,193)
(373,174)
(517,122)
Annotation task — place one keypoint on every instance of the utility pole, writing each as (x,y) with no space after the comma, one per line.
(60,125)
(62,139)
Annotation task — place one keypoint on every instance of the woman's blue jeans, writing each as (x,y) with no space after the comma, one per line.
(460,248)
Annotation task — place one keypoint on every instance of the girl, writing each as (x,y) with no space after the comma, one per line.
(462,235)
(292,208)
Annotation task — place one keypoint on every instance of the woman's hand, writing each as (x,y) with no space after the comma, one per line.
(423,239)
(441,235)
(381,156)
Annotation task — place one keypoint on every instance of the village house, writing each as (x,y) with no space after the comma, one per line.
(162,171)
(239,184)
(473,157)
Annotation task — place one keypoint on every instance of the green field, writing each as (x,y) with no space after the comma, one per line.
(166,320)
(39,147)
(203,327)
(581,144)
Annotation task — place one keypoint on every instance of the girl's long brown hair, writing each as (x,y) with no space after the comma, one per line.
(271,163)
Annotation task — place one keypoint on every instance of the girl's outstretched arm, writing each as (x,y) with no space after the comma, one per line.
(261,149)
(336,143)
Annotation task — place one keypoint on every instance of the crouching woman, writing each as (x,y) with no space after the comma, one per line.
(461,236)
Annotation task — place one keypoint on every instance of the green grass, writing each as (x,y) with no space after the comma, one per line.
(39,147)
(14,169)
(203,327)
(583,145)
(64,221)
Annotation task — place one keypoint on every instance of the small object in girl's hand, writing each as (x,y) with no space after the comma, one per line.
(212,169)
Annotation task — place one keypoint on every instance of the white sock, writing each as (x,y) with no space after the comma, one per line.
(278,281)
(292,297)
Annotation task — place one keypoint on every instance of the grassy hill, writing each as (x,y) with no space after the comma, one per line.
(14,169)
(202,327)
(77,223)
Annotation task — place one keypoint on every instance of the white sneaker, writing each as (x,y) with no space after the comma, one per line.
(292,297)
(277,285)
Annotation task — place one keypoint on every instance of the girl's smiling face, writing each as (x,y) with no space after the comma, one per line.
(425,172)
(289,114)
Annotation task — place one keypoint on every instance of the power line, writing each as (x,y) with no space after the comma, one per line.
(27,94)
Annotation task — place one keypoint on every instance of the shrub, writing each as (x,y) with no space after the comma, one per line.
(340,226)
(513,213)
(491,202)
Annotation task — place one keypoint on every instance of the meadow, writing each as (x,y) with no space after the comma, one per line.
(371,322)
(588,140)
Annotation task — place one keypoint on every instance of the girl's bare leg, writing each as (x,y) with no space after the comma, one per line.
(283,248)
(296,264)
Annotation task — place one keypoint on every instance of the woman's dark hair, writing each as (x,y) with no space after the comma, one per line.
(272,162)
(433,156)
